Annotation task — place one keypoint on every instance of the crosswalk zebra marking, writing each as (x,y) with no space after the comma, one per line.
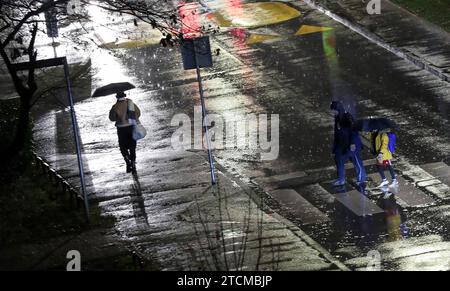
(359,204)
(299,206)
(439,170)
(406,191)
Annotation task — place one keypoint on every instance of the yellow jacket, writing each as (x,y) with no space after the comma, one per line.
(381,145)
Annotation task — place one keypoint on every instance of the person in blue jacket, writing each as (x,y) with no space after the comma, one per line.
(347,144)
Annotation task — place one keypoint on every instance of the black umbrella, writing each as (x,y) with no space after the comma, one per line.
(113,88)
(371,124)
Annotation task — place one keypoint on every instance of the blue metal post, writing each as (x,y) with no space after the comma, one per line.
(204,118)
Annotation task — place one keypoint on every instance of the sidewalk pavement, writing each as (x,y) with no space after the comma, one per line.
(396,29)
(171,214)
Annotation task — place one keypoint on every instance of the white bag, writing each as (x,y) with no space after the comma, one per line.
(139,131)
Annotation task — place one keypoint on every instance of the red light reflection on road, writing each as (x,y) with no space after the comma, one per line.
(190,18)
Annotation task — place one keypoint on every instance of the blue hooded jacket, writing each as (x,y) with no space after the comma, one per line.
(344,134)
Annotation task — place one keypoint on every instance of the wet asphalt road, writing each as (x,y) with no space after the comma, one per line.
(295,76)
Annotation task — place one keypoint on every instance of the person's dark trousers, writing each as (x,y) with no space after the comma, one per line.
(381,170)
(357,161)
(127,144)
(355,157)
(340,165)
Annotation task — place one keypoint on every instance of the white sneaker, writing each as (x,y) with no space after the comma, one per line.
(394,183)
(383,183)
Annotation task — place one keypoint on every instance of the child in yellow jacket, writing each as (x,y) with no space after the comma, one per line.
(380,142)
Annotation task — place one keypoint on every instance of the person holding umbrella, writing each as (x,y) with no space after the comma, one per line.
(347,144)
(383,145)
(120,113)
(126,115)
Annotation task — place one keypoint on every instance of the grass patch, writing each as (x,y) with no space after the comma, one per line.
(435,11)
(32,209)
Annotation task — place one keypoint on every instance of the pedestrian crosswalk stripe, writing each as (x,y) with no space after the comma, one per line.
(299,206)
(359,204)
(439,170)
(407,192)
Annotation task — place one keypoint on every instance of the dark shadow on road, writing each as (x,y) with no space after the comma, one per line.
(137,201)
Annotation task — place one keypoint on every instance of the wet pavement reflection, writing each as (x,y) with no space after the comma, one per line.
(292,66)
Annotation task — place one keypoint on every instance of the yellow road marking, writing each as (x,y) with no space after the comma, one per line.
(257,38)
(307,29)
(253,15)
(129,44)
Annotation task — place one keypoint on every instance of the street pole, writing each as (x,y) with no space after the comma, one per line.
(205,118)
(77,137)
(52,31)
(54,47)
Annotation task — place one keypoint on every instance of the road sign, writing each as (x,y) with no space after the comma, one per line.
(201,58)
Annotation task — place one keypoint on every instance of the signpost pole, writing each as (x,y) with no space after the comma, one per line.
(54,47)
(204,118)
(196,53)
